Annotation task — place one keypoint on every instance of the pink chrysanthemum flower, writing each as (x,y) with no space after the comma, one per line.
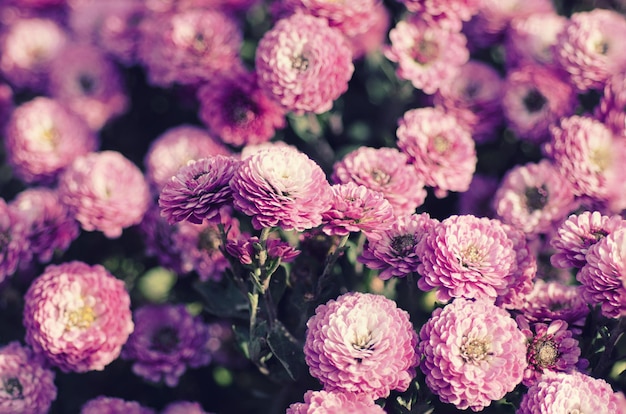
(14,246)
(534,98)
(395,251)
(28,45)
(88,82)
(166,341)
(189,47)
(576,235)
(174,148)
(474,97)
(329,402)
(459,9)
(427,53)
(385,170)
(590,47)
(49,225)
(235,109)
(466,257)
(105,191)
(588,154)
(304,64)
(478,199)
(355,208)
(281,187)
(610,109)
(243,250)
(534,197)
(43,137)
(441,150)
(183,407)
(113,405)
(465,347)
(604,274)
(557,393)
(361,343)
(550,348)
(77,316)
(199,190)
(27,385)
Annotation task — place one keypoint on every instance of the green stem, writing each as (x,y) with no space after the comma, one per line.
(605,362)
(330,263)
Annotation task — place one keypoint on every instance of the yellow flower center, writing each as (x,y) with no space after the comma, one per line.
(81,318)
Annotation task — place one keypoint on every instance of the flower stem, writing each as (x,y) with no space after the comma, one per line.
(605,362)
(330,262)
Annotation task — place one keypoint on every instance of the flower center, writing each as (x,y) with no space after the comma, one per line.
(198,43)
(381,177)
(13,387)
(87,84)
(240,109)
(441,144)
(364,344)
(536,197)
(403,244)
(534,101)
(601,158)
(475,350)
(81,318)
(425,51)
(300,63)
(601,47)
(470,256)
(165,339)
(546,353)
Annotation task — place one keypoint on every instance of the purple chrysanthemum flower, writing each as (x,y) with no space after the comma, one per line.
(576,235)
(534,98)
(590,47)
(466,257)
(427,53)
(441,150)
(113,405)
(174,148)
(355,208)
(550,348)
(199,190)
(530,39)
(183,407)
(534,197)
(235,109)
(14,247)
(189,47)
(473,353)
(385,170)
(88,82)
(478,199)
(281,187)
(304,64)
(167,340)
(243,249)
(77,316)
(361,343)
(557,393)
(28,45)
(329,402)
(460,9)
(43,137)
(605,272)
(395,251)
(26,384)
(105,191)
(49,225)
(610,109)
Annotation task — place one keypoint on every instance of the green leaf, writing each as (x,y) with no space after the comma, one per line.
(223,299)
(287,349)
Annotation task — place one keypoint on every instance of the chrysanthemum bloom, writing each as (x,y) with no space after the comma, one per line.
(88,82)
(174,148)
(473,353)
(533,197)
(43,137)
(474,96)
(281,187)
(530,39)
(588,154)
(27,386)
(441,150)
(550,301)
(167,340)
(604,274)
(395,251)
(236,110)
(199,190)
(427,53)
(355,208)
(466,257)
(113,405)
(28,45)
(459,9)
(14,246)
(243,249)
(183,407)
(49,225)
(478,199)
(610,109)
(534,98)
(550,348)
(374,37)
(576,235)
(557,393)
(386,170)
(188,47)
(228,6)
(304,64)
(112,25)
(77,316)
(105,192)
(329,402)
(361,343)
(590,47)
